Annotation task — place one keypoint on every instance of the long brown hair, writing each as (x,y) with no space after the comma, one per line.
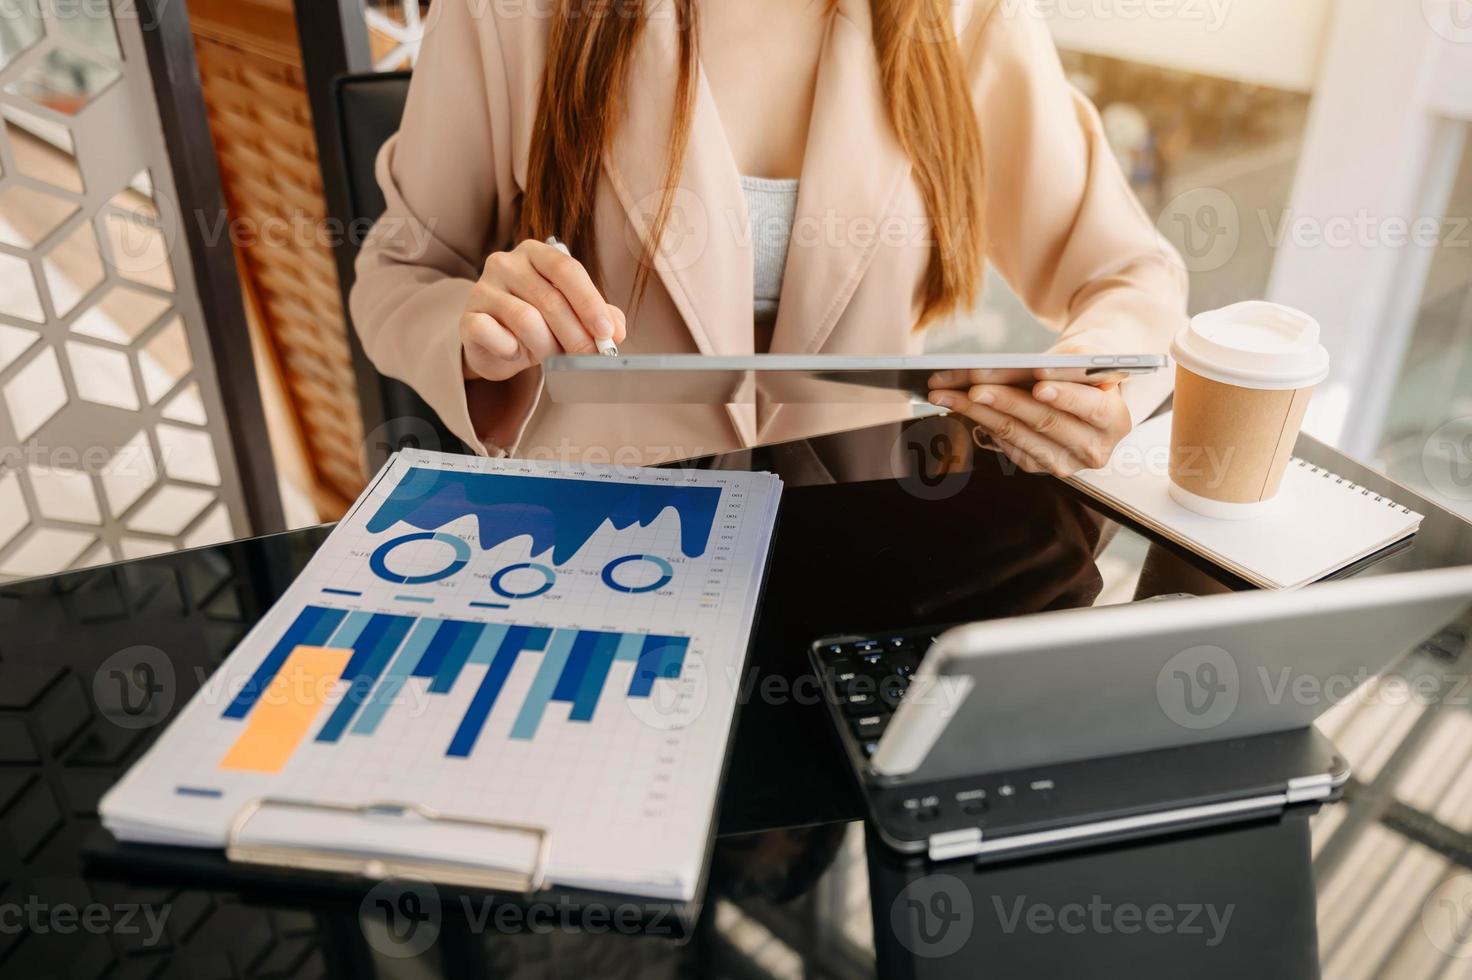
(927,103)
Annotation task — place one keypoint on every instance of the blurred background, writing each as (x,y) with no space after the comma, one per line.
(177,212)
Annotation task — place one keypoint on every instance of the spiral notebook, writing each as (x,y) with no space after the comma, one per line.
(1319,523)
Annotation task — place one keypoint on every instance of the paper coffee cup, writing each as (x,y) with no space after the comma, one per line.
(1244,377)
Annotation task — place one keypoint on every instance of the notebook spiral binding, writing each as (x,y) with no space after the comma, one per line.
(1350,484)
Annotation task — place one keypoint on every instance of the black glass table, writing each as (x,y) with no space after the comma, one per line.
(880,528)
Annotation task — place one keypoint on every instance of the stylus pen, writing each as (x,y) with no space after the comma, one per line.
(605,347)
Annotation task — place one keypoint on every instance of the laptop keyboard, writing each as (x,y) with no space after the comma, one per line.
(867,676)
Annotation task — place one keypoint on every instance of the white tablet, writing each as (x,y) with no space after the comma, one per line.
(697,379)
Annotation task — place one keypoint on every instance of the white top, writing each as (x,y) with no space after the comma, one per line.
(771,207)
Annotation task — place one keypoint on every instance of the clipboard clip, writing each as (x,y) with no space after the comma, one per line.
(348,860)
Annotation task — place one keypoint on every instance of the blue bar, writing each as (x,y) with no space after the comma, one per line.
(380,638)
(674,658)
(393,681)
(413,598)
(629,645)
(455,657)
(443,640)
(651,663)
(366,646)
(341,592)
(485,648)
(594,676)
(541,689)
(511,644)
(198,791)
(351,628)
(311,628)
(491,605)
(571,680)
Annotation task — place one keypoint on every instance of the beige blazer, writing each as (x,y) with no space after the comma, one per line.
(1062,227)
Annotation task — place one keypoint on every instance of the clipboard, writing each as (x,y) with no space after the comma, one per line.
(299,887)
(242,840)
(243,849)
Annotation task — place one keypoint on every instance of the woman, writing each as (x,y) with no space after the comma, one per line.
(821,176)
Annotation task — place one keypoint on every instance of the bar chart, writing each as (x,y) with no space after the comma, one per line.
(376,654)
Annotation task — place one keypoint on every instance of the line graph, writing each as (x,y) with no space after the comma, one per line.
(561,515)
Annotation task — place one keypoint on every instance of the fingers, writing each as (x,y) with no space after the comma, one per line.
(530,304)
(1094,406)
(1020,459)
(490,350)
(1012,435)
(577,291)
(528,324)
(1040,418)
(562,325)
(959,380)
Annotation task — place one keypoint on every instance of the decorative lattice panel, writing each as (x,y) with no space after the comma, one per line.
(396,27)
(111,425)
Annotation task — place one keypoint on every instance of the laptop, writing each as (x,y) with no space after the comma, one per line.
(1063,729)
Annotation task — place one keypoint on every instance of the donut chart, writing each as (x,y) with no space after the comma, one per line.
(666,574)
(378,563)
(498,581)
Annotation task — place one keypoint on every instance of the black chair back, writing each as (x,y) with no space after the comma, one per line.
(369,108)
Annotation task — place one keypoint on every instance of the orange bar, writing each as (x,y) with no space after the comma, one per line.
(286,709)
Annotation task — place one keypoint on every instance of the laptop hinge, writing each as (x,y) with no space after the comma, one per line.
(955,843)
(1301,789)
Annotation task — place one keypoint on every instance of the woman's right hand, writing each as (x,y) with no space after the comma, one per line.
(530,304)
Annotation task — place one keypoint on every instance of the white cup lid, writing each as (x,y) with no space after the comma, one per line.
(1254,345)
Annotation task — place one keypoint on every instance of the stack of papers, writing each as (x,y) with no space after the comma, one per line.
(522,666)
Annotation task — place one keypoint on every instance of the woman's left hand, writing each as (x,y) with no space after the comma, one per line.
(1057,427)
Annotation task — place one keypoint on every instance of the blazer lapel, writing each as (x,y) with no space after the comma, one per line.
(853,172)
(705,258)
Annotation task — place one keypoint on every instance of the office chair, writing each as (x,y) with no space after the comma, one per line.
(369,108)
